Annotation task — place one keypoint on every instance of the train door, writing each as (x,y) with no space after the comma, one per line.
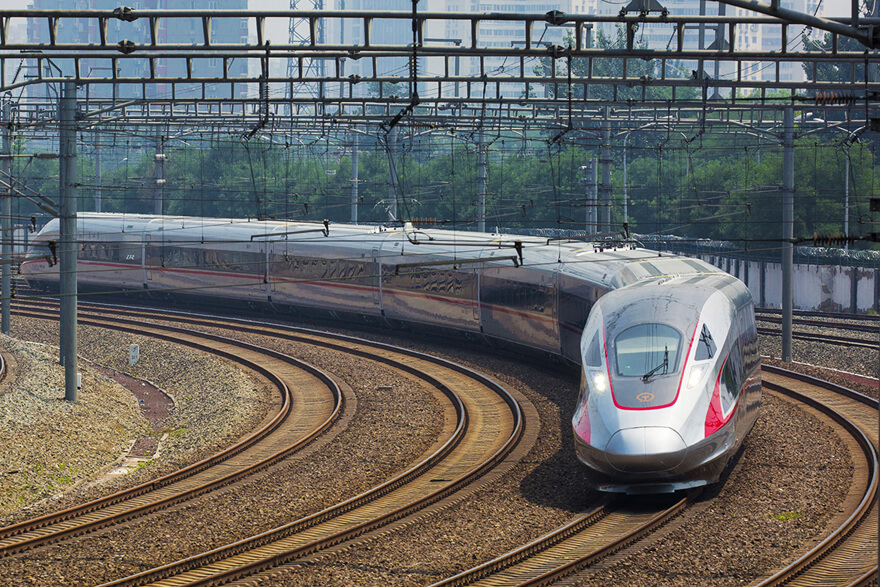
(271,253)
(376,284)
(131,256)
(147,265)
(576,299)
(476,306)
(265,248)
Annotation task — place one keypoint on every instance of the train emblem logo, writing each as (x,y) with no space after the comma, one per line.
(645,397)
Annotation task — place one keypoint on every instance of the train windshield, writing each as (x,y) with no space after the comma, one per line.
(647,350)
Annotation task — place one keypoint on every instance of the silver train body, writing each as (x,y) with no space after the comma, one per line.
(667,346)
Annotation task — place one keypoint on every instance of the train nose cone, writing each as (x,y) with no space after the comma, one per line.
(645,449)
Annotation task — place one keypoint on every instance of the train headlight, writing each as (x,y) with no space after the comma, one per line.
(696,374)
(599,381)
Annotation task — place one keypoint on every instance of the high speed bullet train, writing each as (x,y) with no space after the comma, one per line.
(667,346)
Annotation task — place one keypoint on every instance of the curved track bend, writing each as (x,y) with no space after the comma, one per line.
(308,402)
(586,539)
(848,555)
(488,427)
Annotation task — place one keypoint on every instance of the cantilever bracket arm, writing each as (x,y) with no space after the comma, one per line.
(517,245)
(325,231)
(869,37)
(40,201)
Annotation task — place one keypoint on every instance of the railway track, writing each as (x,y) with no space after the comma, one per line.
(488,425)
(856,324)
(764,313)
(845,341)
(588,538)
(847,556)
(316,397)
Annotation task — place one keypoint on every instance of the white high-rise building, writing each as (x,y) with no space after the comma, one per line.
(449,33)
(754,37)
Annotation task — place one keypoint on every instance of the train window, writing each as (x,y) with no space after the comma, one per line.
(593,358)
(647,350)
(728,387)
(705,346)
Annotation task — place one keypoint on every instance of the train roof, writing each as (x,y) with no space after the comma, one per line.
(605,264)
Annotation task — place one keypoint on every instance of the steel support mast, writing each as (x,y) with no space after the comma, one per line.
(68,246)
(787,228)
(6,227)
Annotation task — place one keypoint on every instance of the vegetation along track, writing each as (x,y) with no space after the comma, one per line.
(848,555)
(308,402)
(487,429)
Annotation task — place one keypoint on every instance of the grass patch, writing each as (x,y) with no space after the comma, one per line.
(786,516)
(142,465)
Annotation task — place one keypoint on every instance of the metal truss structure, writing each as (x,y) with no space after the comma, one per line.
(525,81)
(573,89)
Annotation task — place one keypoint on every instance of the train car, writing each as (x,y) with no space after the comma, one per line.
(667,346)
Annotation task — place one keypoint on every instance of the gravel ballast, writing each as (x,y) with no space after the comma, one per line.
(765,510)
(48,445)
(788,480)
(391,410)
(216,402)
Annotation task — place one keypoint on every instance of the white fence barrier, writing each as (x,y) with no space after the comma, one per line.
(824,288)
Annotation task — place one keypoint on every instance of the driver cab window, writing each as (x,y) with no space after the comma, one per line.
(647,348)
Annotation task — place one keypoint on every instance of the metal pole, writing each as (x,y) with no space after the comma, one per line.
(481,181)
(159,204)
(6,249)
(589,180)
(787,229)
(605,185)
(846,200)
(392,193)
(68,246)
(98,178)
(625,194)
(354,178)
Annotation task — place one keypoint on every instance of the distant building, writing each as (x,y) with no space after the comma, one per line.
(449,33)
(182,31)
(764,38)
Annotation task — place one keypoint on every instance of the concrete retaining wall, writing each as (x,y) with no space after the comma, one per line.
(825,288)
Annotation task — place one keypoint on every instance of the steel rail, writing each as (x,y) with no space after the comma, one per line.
(823,338)
(346,344)
(804,570)
(871,327)
(492,568)
(811,313)
(543,547)
(30,533)
(269,550)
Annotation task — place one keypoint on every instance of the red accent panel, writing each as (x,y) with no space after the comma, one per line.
(608,368)
(715,419)
(582,428)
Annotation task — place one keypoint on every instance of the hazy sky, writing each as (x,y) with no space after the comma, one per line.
(277,31)
(838,7)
